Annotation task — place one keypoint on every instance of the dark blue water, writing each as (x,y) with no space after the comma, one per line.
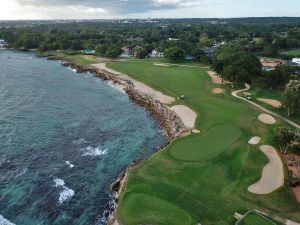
(63,138)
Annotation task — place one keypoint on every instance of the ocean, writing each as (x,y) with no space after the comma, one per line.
(64,136)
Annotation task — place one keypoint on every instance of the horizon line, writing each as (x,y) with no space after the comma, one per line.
(145,18)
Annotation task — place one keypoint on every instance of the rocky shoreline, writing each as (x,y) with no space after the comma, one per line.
(168,119)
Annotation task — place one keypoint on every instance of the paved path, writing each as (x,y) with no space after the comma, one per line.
(247,87)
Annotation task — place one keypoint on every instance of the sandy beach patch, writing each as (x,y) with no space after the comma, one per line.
(272,175)
(289,222)
(216,78)
(161,64)
(254,140)
(217,90)
(267,119)
(102,66)
(165,99)
(187,115)
(272,102)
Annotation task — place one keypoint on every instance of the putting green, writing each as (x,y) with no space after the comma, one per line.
(206,146)
(152,210)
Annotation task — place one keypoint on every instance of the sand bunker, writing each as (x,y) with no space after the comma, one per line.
(195,131)
(272,175)
(267,119)
(216,78)
(254,140)
(217,90)
(161,64)
(187,115)
(272,102)
(138,85)
(102,66)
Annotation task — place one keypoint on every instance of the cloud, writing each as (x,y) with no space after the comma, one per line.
(17,9)
(118,6)
(98,9)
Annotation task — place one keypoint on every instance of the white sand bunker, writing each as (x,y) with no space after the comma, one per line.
(217,90)
(272,102)
(254,140)
(195,131)
(272,175)
(161,64)
(216,78)
(267,119)
(187,115)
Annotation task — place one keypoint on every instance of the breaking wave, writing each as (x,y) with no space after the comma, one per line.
(93,151)
(4,221)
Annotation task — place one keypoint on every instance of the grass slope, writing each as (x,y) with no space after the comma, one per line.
(202,178)
(294,52)
(255,219)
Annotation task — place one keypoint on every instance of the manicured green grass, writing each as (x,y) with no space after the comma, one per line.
(294,52)
(188,149)
(163,60)
(153,211)
(255,219)
(257,92)
(204,175)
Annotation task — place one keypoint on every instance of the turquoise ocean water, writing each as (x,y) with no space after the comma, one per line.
(63,137)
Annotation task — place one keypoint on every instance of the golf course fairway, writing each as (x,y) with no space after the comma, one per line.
(202,178)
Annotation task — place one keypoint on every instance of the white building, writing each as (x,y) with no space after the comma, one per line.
(3,43)
(156,53)
(296,60)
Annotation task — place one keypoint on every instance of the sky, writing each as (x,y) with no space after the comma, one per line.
(106,9)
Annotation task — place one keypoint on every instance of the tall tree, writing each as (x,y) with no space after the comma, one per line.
(283,137)
(113,52)
(236,65)
(291,97)
(175,53)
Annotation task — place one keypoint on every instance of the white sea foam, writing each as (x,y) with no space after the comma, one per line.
(91,151)
(69,164)
(59,182)
(66,194)
(119,87)
(74,70)
(4,221)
